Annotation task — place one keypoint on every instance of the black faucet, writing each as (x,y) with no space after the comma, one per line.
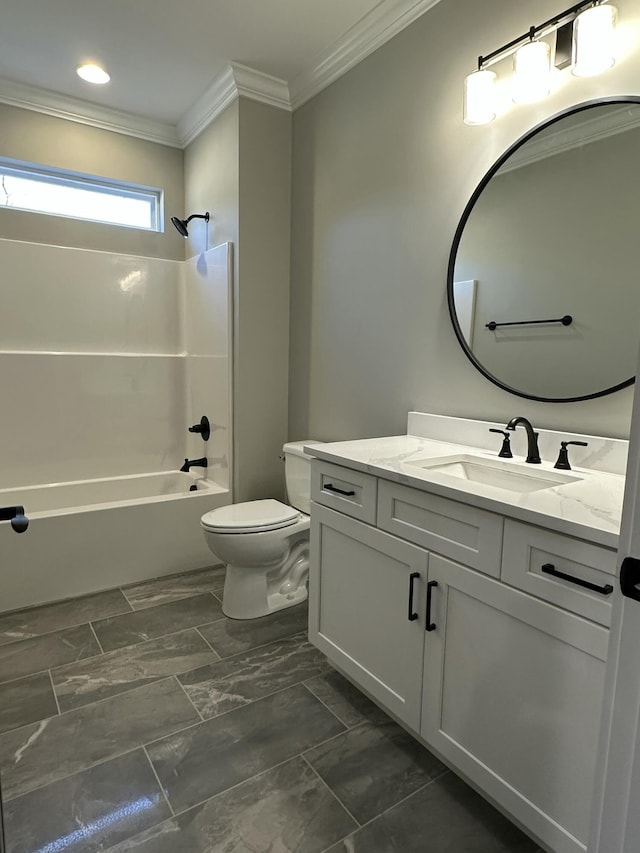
(197,463)
(533,454)
(15,514)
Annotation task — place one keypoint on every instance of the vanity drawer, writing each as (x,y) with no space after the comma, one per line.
(527,549)
(345,490)
(464,533)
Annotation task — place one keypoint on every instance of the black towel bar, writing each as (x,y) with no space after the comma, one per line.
(567,320)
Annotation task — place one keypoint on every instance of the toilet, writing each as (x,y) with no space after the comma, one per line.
(265,544)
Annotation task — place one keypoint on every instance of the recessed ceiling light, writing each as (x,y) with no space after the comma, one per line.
(93,74)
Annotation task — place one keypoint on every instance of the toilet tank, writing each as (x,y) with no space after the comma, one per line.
(297,472)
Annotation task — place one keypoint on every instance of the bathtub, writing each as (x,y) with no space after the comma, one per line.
(92,535)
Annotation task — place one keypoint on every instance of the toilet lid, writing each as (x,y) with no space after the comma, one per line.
(250,517)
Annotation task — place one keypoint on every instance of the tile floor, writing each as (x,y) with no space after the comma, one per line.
(141,719)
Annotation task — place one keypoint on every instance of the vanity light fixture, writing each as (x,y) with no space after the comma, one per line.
(531,71)
(479,96)
(593,41)
(592,24)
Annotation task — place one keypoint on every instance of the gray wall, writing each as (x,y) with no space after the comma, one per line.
(49,141)
(382,169)
(239,169)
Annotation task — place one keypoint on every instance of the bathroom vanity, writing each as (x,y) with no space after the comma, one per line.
(470,597)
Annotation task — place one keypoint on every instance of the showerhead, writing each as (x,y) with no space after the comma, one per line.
(181,224)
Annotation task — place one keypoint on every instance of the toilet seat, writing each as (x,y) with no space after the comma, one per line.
(250,517)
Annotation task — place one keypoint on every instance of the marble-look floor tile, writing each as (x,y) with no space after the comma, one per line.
(207,759)
(234,682)
(232,636)
(373,767)
(26,701)
(445,816)
(174,587)
(88,812)
(348,704)
(41,753)
(153,622)
(35,621)
(286,809)
(27,657)
(124,669)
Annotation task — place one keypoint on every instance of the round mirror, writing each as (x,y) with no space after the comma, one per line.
(544,282)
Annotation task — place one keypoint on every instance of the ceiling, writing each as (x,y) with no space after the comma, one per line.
(165,57)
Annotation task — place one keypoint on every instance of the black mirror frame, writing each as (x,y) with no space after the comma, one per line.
(630,99)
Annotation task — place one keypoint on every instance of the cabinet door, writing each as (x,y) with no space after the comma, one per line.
(513,691)
(359,589)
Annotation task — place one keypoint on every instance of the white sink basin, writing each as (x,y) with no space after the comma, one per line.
(502,474)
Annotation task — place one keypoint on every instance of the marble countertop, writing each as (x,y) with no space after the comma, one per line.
(589,507)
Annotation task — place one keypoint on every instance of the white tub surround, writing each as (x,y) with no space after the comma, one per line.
(88,536)
(476,613)
(106,361)
(588,507)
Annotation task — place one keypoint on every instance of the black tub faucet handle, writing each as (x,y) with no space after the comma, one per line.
(505,450)
(203,428)
(563,456)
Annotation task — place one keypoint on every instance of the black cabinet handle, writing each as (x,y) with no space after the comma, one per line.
(430,626)
(550,569)
(412,616)
(329,487)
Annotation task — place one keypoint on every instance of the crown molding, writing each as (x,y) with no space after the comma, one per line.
(384,22)
(592,128)
(261,87)
(83,112)
(236,80)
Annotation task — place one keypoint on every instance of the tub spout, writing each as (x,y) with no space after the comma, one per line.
(15,514)
(197,463)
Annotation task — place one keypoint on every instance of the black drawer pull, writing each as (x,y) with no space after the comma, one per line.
(430,626)
(550,569)
(412,616)
(329,487)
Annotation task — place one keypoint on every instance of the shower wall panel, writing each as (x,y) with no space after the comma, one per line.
(207,333)
(97,378)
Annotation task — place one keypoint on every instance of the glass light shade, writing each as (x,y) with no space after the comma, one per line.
(531,72)
(593,41)
(93,74)
(479,97)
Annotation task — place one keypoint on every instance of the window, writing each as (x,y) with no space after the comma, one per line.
(41,190)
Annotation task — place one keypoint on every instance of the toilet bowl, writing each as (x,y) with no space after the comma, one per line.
(265,545)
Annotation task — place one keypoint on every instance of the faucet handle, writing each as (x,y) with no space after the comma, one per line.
(563,456)
(505,450)
(203,428)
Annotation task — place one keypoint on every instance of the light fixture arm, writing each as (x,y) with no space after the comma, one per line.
(541,29)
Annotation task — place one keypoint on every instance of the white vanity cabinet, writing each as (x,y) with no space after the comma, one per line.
(512,694)
(500,669)
(361,591)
